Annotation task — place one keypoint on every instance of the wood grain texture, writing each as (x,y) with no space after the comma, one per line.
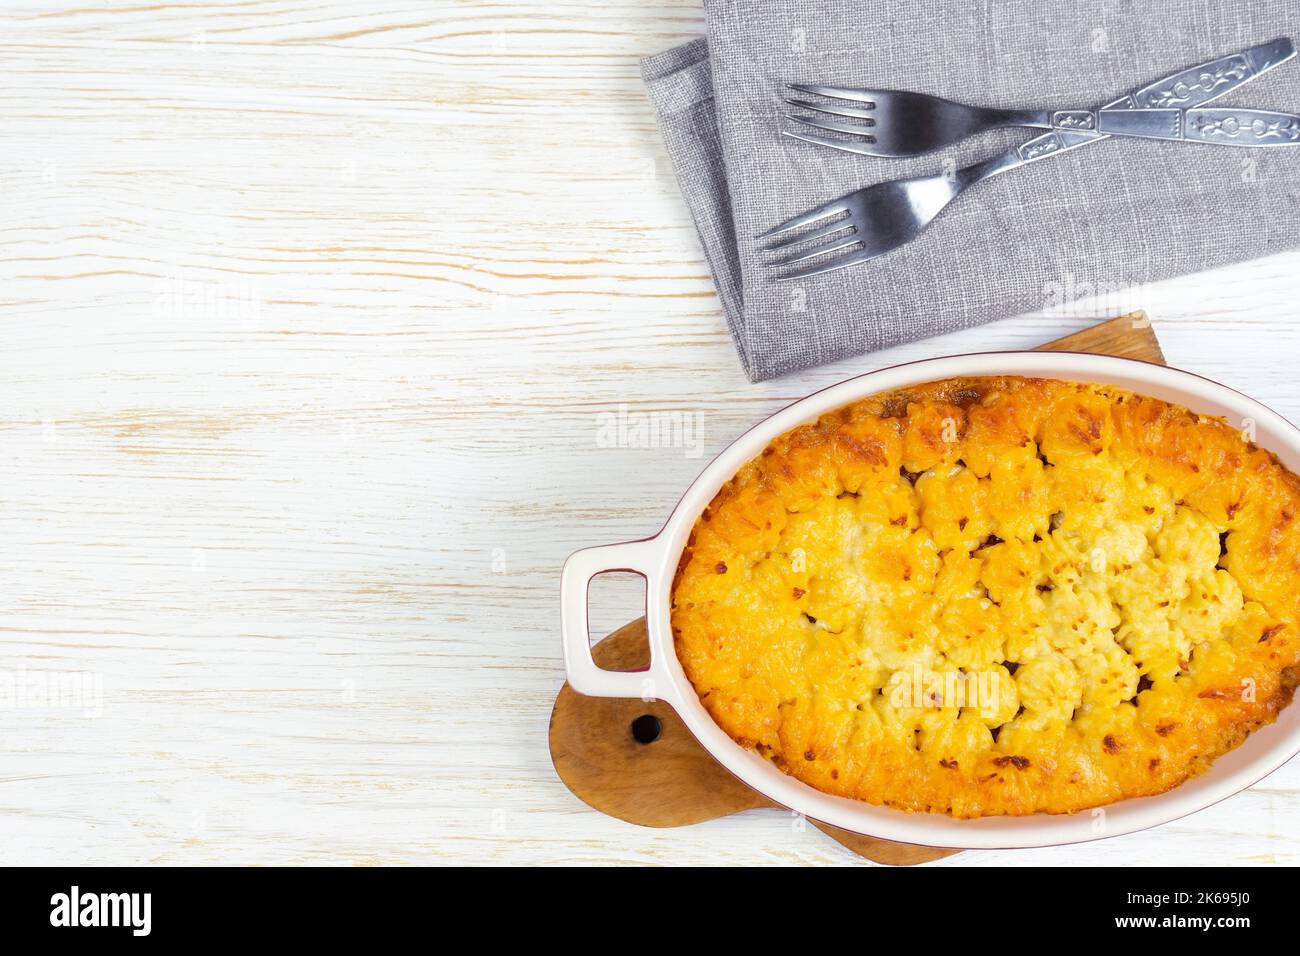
(1125,336)
(310,314)
(672,781)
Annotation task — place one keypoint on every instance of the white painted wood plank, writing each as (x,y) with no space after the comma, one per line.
(309,315)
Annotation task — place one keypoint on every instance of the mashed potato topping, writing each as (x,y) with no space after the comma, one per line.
(996,596)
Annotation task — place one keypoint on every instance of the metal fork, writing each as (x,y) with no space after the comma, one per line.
(896,123)
(882,217)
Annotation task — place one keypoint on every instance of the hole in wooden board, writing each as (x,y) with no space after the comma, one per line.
(647,728)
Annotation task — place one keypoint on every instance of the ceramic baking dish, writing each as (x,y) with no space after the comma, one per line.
(656,560)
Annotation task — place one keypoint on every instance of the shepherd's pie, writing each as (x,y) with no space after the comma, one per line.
(990,596)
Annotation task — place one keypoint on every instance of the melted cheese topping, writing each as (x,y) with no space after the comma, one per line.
(996,596)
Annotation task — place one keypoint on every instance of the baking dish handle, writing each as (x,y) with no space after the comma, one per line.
(639,557)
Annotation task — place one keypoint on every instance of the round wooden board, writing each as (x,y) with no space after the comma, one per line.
(672,781)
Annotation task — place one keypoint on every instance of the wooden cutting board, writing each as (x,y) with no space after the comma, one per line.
(670,780)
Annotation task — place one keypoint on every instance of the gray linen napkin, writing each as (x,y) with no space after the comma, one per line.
(1110,215)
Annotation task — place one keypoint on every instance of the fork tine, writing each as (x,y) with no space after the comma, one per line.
(831,266)
(833,143)
(839,225)
(837,92)
(850,111)
(852,239)
(832,208)
(833,127)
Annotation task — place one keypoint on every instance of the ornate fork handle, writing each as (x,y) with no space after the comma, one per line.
(1227,127)
(1258,127)
(1198,84)
(1192,87)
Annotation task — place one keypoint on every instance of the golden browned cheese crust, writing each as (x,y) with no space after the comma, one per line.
(996,596)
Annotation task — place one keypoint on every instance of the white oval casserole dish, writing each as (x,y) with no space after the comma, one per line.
(656,559)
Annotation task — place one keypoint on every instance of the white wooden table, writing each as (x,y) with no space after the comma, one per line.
(310,312)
